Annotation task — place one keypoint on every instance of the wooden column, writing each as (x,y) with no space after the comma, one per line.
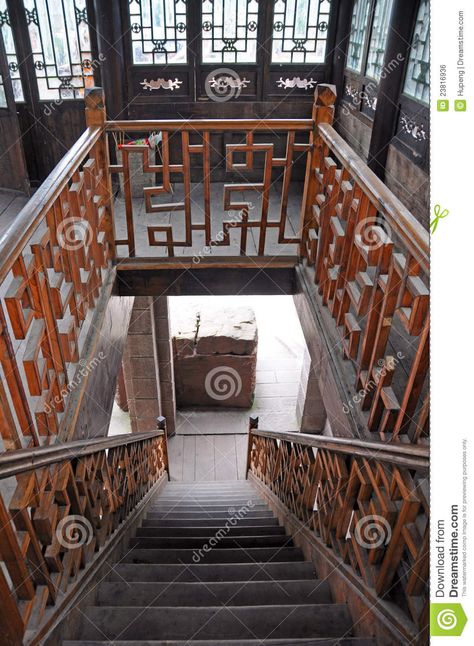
(343,29)
(163,353)
(388,95)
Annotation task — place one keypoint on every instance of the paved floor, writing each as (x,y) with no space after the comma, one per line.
(279,360)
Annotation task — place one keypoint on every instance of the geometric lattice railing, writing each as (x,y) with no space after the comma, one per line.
(366,501)
(68,501)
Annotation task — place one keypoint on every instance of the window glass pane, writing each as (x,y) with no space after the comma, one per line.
(60,42)
(300,31)
(229,31)
(158,29)
(10,51)
(3,98)
(378,38)
(355,50)
(417,80)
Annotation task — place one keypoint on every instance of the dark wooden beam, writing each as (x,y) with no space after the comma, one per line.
(342,16)
(396,52)
(223,276)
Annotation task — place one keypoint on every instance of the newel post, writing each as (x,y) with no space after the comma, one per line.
(96,117)
(253,425)
(161,425)
(323,112)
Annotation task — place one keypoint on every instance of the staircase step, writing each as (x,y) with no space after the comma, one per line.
(213,572)
(248,555)
(241,622)
(177,513)
(207,521)
(346,641)
(149,529)
(228,508)
(258,593)
(221,541)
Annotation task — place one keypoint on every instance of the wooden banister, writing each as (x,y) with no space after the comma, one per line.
(211,125)
(365,502)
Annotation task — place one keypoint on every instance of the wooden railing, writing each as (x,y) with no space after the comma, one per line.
(370,258)
(53,263)
(68,502)
(368,502)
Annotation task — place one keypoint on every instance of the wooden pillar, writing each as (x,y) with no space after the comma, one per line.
(163,353)
(343,28)
(390,86)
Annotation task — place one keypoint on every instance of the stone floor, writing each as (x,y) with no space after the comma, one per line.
(10,205)
(279,360)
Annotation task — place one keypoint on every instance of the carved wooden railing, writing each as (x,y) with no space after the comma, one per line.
(53,263)
(371,260)
(366,501)
(68,502)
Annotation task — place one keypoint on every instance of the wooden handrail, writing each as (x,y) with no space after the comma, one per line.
(14,239)
(413,235)
(13,463)
(408,456)
(210,125)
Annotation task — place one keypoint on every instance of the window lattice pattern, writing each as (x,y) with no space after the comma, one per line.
(417,80)
(355,50)
(3,98)
(300,31)
(378,38)
(229,31)
(10,50)
(60,42)
(158,29)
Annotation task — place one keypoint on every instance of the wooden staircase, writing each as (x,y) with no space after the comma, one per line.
(211,565)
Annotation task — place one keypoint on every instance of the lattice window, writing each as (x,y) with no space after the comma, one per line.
(60,42)
(355,50)
(417,80)
(300,31)
(3,98)
(229,31)
(159,32)
(378,38)
(10,50)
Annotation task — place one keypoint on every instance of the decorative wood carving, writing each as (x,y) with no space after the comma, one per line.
(161,84)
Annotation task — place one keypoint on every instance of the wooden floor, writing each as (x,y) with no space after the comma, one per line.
(10,205)
(207,457)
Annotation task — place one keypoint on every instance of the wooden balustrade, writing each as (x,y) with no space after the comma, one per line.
(68,501)
(368,502)
(53,263)
(370,258)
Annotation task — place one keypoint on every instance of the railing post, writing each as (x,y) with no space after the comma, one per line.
(161,424)
(96,117)
(323,112)
(253,425)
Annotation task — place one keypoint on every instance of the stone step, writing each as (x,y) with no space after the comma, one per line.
(213,572)
(207,522)
(248,555)
(253,593)
(229,508)
(222,515)
(148,529)
(220,541)
(346,641)
(240,622)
